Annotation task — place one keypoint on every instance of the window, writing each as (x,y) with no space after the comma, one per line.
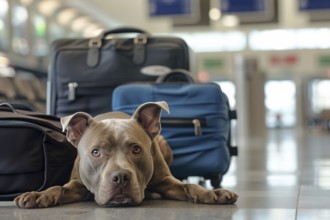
(280,102)
(40,44)
(320,96)
(20,29)
(4,25)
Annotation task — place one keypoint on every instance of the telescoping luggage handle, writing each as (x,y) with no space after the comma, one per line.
(122,30)
(176,75)
(94,44)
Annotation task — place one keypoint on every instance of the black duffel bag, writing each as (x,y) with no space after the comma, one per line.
(34,152)
(84,72)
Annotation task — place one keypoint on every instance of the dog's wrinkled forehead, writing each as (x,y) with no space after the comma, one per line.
(124,128)
(118,131)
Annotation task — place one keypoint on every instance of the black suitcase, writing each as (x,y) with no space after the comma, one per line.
(34,152)
(84,72)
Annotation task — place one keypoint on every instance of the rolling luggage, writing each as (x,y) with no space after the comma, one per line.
(197,129)
(84,72)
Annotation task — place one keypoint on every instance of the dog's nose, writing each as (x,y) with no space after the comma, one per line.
(120,178)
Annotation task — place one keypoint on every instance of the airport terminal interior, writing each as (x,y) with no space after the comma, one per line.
(270,57)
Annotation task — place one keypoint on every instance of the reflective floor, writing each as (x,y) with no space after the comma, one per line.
(285,176)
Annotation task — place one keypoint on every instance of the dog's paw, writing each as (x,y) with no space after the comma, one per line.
(225,196)
(217,196)
(36,200)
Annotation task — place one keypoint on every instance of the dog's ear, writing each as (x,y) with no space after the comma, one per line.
(75,125)
(148,116)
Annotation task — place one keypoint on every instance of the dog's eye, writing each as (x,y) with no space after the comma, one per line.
(96,152)
(136,149)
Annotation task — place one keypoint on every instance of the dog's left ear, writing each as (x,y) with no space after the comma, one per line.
(75,126)
(148,116)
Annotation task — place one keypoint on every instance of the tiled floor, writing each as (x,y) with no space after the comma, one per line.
(285,176)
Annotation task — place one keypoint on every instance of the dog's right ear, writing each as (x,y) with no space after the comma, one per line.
(75,125)
(148,116)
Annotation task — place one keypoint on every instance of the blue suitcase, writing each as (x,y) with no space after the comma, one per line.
(197,129)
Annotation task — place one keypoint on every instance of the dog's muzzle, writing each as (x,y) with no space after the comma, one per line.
(121,190)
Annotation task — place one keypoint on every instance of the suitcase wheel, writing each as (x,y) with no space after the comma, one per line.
(216,181)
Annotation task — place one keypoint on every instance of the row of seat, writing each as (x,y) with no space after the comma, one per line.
(24,89)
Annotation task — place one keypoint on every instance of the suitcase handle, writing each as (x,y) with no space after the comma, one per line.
(97,41)
(94,44)
(176,75)
(122,30)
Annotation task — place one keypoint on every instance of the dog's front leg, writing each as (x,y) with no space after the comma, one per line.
(172,188)
(73,191)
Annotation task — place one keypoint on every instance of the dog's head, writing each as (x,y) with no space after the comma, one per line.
(116,161)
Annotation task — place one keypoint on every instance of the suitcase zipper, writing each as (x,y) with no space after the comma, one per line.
(72,87)
(197,123)
(197,127)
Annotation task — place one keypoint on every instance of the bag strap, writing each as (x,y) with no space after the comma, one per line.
(7,111)
(14,105)
(176,75)
(8,106)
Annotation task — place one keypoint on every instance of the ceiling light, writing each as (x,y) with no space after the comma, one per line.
(93,30)
(48,7)
(65,16)
(80,23)
(230,20)
(4,8)
(4,61)
(20,15)
(214,14)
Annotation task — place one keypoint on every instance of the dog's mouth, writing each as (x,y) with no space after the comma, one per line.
(121,200)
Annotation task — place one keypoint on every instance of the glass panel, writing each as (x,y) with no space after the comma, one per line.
(229,89)
(56,31)
(320,95)
(4,7)
(20,29)
(280,101)
(40,44)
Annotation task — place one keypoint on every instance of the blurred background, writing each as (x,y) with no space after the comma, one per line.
(271,57)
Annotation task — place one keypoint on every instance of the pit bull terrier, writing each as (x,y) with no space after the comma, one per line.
(119,158)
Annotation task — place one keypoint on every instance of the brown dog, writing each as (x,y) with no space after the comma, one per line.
(119,157)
